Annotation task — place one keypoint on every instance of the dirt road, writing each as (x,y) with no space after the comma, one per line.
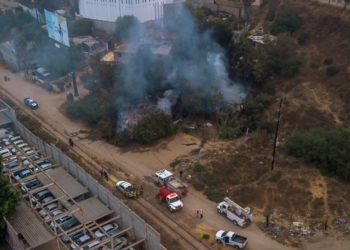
(139,164)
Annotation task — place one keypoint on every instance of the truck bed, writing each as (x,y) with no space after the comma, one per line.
(239,239)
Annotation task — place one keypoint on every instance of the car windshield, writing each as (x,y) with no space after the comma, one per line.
(175,199)
(224,233)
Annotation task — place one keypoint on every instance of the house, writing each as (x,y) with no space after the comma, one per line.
(8,5)
(258,39)
(90,45)
(123,52)
(11,57)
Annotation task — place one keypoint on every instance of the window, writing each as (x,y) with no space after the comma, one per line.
(119,54)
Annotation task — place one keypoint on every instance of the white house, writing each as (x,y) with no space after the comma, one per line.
(110,10)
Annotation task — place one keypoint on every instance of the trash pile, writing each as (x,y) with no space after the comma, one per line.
(342,225)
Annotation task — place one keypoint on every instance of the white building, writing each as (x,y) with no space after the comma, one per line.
(110,10)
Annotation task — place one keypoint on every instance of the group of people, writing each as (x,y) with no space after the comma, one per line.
(104,173)
(7,78)
(134,192)
(199,213)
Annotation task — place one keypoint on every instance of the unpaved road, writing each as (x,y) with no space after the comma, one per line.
(139,164)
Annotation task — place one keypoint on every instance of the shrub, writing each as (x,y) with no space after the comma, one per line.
(287,20)
(236,163)
(269,127)
(236,181)
(70,97)
(207,177)
(206,236)
(106,129)
(257,104)
(213,195)
(228,171)
(153,127)
(303,38)
(332,70)
(270,89)
(293,65)
(121,140)
(60,85)
(198,185)
(198,168)
(328,61)
(174,163)
(275,177)
(262,170)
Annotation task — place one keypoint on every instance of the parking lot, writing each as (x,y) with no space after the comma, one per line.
(68,210)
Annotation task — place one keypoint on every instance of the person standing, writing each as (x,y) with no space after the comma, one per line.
(181,172)
(5,77)
(201,213)
(102,171)
(197,216)
(106,175)
(71,142)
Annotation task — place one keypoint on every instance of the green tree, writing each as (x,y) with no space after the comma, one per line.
(230,125)
(255,105)
(153,127)
(287,20)
(8,199)
(127,28)
(260,72)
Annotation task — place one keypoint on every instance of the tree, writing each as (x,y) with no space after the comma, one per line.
(230,125)
(8,200)
(127,28)
(287,20)
(260,72)
(255,105)
(21,48)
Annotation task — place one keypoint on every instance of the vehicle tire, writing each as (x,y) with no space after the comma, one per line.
(218,241)
(235,222)
(219,211)
(236,247)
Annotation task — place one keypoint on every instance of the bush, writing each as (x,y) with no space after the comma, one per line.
(287,20)
(213,195)
(303,38)
(174,163)
(275,177)
(106,129)
(198,168)
(236,181)
(326,148)
(121,140)
(70,97)
(261,170)
(228,171)
(60,85)
(270,89)
(293,65)
(236,163)
(269,127)
(332,70)
(328,61)
(257,104)
(153,127)
(198,185)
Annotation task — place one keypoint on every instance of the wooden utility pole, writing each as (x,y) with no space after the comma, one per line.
(276,132)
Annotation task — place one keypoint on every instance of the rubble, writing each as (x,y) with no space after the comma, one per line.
(342,225)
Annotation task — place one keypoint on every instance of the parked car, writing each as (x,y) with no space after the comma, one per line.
(30,185)
(10,165)
(31,103)
(43,72)
(49,209)
(230,238)
(62,221)
(123,185)
(38,197)
(46,200)
(23,174)
(82,240)
(53,214)
(91,245)
(19,146)
(111,229)
(119,243)
(74,237)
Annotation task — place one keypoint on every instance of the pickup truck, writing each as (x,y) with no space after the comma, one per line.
(230,238)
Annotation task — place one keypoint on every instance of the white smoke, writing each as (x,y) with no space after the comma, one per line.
(169,99)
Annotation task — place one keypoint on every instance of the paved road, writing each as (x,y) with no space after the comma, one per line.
(139,164)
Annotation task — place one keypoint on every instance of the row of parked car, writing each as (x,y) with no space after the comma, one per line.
(20,166)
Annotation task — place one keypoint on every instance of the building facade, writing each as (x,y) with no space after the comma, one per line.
(110,10)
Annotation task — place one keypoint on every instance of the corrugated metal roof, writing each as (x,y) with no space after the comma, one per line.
(92,208)
(26,223)
(64,180)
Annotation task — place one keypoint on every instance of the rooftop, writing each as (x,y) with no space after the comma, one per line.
(81,39)
(163,49)
(109,57)
(26,223)
(260,38)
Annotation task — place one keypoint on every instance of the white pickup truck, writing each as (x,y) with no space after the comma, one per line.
(232,239)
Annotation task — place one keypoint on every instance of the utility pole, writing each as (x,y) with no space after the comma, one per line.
(276,133)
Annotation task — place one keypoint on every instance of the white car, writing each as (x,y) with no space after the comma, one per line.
(49,209)
(111,229)
(123,185)
(82,240)
(119,243)
(53,214)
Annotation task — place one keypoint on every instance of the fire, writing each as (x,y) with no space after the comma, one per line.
(241,106)
(126,121)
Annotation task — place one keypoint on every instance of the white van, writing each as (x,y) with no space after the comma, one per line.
(19,146)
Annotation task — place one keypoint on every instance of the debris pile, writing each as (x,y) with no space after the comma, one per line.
(342,225)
